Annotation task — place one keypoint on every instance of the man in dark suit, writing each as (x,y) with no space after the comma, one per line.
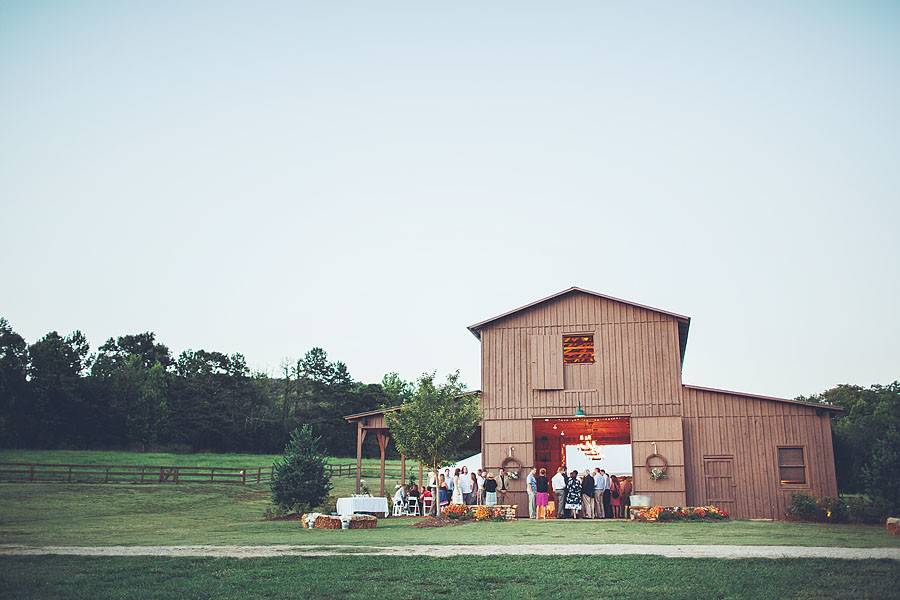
(607,497)
(587,495)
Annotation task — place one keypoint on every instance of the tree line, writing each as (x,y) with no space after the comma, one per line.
(134,393)
(866,438)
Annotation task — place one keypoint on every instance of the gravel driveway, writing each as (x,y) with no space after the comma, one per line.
(686,551)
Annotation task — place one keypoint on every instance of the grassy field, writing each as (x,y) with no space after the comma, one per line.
(203,459)
(34,513)
(524,577)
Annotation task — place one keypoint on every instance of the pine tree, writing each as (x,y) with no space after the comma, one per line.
(300,481)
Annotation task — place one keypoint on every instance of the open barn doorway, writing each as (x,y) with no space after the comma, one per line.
(583,443)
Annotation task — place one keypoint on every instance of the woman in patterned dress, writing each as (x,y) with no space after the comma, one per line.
(573,494)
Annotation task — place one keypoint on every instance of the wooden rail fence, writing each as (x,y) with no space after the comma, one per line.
(349,470)
(70,473)
(80,473)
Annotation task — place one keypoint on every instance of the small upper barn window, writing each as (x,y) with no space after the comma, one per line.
(578,349)
(791,465)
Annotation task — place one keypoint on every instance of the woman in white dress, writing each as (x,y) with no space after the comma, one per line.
(457,490)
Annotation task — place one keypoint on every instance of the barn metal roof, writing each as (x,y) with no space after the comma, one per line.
(761,397)
(381,411)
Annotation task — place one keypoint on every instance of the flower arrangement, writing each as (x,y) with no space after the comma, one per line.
(677,513)
(457,512)
(461,512)
(657,473)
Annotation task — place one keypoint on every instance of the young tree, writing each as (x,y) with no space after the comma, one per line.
(300,481)
(397,389)
(433,425)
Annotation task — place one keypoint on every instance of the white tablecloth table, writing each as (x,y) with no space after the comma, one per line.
(365,504)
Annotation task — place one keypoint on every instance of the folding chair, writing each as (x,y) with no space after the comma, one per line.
(412,506)
(398,509)
(427,505)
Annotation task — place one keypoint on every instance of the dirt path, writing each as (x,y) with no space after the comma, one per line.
(686,551)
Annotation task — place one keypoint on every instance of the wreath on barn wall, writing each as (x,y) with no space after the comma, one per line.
(657,465)
(512,467)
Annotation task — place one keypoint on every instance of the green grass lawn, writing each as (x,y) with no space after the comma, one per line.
(54,513)
(349,577)
(203,459)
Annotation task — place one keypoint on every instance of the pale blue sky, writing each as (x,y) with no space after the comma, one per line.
(373,177)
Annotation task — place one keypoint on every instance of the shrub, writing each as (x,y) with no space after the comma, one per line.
(842,509)
(300,481)
(804,507)
(834,510)
(865,510)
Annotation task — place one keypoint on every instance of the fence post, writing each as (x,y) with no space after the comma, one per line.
(212,471)
(142,473)
(244,476)
(106,477)
(31,472)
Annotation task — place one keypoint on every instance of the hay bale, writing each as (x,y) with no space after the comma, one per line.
(363,522)
(327,522)
(893,525)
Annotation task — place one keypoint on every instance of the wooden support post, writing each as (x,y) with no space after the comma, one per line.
(383,439)
(421,476)
(402,469)
(360,437)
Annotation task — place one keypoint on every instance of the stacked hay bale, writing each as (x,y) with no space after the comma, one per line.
(321,521)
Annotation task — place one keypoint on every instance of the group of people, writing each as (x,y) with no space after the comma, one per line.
(477,487)
(587,495)
(412,498)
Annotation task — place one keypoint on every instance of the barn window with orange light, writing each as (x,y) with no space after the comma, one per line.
(578,349)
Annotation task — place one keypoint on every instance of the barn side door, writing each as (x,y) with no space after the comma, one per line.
(719,474)
(659,440)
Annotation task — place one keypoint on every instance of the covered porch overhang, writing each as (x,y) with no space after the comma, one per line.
(374,421)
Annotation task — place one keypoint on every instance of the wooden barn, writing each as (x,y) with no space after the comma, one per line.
(581,369)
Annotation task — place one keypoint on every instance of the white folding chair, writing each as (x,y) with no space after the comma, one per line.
(412,506)
(427,505)
(398,509)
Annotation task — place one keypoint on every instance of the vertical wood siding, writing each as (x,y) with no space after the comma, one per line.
(749,430)
(666,432)
(637,373)
(545,361)
(637,369)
